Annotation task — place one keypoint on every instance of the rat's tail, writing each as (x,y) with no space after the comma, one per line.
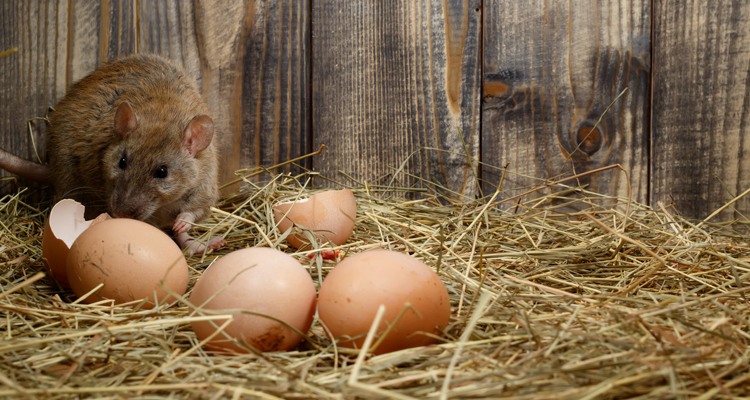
(24,168)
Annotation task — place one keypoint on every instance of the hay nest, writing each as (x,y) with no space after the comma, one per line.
(616,300)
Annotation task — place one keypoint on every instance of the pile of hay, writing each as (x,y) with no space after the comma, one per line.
(616,301)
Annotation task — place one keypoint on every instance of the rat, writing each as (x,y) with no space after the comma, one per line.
(134,138)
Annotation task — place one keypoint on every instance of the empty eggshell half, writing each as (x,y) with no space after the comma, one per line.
(330,215)
(63,226)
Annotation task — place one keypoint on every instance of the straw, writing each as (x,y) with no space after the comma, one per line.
(563,294)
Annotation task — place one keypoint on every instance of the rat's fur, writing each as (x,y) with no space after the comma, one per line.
(85,148)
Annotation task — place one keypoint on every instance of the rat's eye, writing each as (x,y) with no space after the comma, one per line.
(123,162)
(161,172)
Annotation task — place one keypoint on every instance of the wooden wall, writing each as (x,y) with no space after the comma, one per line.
(701,105)
(551,69)
(430,84)
(391,78)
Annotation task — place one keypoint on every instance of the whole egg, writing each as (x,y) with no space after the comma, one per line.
(131,258)
(352,292)
(252,285)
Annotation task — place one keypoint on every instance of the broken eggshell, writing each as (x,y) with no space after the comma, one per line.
(330,215)
(63,226)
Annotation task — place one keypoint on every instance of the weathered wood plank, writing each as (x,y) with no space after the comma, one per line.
(276,94)
(391,79)
(34,77)
(117,30)
(167,28)
(84,30)
(701,106)
(551,68)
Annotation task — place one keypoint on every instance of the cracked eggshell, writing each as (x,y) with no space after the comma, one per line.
(265,281)
(131,258)
(353,291)
(329,214)
(64,225)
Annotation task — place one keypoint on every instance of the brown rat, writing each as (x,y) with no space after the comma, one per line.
(134,139)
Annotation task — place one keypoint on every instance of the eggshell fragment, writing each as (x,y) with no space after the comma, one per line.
(131,258)
(330,215)
(264,281)
(352,292)
(64,225)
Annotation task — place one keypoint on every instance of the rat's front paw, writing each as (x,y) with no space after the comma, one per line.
(182,222)
(193,246)
(216,243)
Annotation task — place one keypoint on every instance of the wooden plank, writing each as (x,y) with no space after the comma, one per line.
(391,79)
(551,68)
(84,33)
(117,30)
(167,28)
(701,106)
(34,77)
(276,95)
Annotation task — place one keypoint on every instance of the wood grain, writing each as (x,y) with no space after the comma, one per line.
(551,68)
(396,82)
(701,108)
(34,77)
(275,93)
(391,80)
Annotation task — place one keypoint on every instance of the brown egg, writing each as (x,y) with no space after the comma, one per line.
(131,258)
(329,214)
(64,225)
(264,281)
(352,292)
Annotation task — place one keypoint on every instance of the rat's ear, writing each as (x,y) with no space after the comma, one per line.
(125,119)
(198,134)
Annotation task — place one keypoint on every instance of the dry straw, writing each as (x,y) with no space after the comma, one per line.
(581,296)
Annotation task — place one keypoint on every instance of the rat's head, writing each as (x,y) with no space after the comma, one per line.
(154,163)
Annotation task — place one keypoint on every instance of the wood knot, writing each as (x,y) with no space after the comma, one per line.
(589,140)
(494,89)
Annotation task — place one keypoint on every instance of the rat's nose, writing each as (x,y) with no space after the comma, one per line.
(125,211)
(123,214)
(128,206)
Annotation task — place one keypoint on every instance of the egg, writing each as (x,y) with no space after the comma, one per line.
(131,258)
(260,280)
(352,292)
(64,225)
(330,215)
